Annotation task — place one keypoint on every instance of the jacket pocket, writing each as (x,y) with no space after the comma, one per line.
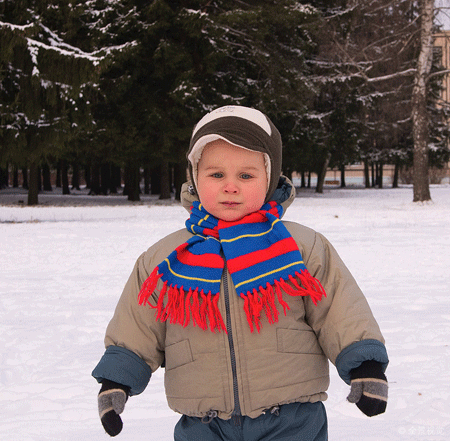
(178,354)
(297,341)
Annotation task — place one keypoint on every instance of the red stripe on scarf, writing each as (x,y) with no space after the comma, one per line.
(210,232)
(277,249)
(209,260)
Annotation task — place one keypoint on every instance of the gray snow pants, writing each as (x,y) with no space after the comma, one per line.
(292,422)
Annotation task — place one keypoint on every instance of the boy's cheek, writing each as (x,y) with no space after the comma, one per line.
(206,201)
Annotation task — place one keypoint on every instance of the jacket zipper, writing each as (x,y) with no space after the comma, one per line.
(237,407)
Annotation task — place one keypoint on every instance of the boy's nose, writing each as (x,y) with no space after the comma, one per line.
(230,187)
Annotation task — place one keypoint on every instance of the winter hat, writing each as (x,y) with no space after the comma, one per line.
(242,127)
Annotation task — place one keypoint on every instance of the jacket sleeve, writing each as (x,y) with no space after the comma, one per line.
(343,321)
(134,340)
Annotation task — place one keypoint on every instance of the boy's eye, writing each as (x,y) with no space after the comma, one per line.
(246,176)
(217,175)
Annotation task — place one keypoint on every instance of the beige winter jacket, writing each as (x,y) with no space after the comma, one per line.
(243,371)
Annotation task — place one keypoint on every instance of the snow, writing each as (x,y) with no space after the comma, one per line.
(63,269)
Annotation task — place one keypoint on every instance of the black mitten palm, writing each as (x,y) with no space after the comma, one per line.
(369,388)
(111,403)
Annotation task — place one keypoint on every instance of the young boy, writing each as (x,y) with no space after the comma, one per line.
(243,310)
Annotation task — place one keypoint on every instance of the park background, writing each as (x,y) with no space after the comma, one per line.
(106,93)
(66,260)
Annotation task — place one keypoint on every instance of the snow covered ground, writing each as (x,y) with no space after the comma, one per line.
(63,268)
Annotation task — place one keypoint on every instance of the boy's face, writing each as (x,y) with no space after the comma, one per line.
(231,181)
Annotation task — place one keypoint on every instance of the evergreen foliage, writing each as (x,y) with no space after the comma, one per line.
(103,86)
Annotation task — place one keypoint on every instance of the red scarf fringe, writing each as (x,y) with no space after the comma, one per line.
(181,306)
(203,308)
(264,299)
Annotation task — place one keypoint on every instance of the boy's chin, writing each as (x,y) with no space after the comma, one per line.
(230,216)
(229,213)
(226,214)
(231,219)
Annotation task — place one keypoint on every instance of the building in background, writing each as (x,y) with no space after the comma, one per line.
(442,47)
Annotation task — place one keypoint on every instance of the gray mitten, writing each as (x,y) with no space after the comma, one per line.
(369,388)
(111,403)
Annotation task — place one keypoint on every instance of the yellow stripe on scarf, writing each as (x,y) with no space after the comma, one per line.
(252,235)
(189,278)
(268,274)
(201,221)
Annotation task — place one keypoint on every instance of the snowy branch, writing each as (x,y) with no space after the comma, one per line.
(67,50)
(441,72)
(405,73)
(16,27)
(64,49)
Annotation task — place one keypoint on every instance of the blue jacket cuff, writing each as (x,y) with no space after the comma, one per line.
(124,367)
(352,356)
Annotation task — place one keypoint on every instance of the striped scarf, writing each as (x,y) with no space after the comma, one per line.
(261,256)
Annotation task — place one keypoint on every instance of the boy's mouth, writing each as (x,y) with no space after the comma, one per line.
(230,204)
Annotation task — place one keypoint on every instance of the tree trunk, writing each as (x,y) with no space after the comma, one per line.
(87,175)
(132,183)
(33,185)
(366,174)
(4,177)
(396,173)
(40,180)
(75,176)
(155,180)
(146,180)
(25,178)
(15,177)
(380,175)
(95,180)
(421,185)
(165,180)
(322,174)
(179,178)
(105,172)
(65,177)
(46,177)
(58,175)
(116,179)
(343,185)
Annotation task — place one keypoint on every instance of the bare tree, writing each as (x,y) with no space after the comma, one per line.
(419,104)
(388,46)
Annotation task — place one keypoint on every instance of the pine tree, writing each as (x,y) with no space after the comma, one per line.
(41,75)
(52,53)
(193,56)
